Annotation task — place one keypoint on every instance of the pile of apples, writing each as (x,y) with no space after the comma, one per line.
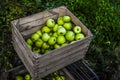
(23,77)
(54,34)
(54,76)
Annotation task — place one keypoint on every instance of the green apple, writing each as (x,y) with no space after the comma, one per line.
(35,37)
(29,46)
(79,36)
(55,28)
(70,35)
(36,50)
(45,36)
(45,29)
(45,45)
(29,41)
(61,31)
(39,32)
(66,18)
(52,40)
(56,46)
(60,21)
(27,77)
(77,29)
(68,26)
(50,22)
(55,35)
(38,43)
(61,39)
(18,78)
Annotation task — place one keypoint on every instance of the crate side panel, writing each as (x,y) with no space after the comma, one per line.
(36,23)
(57,52)
(59,66)
(34,17)
(30,69)
(20,51)
(16,41)
(55,60)
(21,39)
(27,33)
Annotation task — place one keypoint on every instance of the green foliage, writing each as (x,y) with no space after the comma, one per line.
(100,16)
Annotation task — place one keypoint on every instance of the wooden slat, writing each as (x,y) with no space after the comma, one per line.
(29,53)
(70,76)
(55,60)
(30,68)
(59,65)
(20,51)
(56,52)
(21,39)
(34,17)
(22,54)
(35,23)
(27,33)
(18,44)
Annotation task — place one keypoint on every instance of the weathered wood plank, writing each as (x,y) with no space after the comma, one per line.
(57,52)
(21,39)
(30,68)
(34,17)
(55,60)
(59,65)
(27,33)
(22,52)
(70,76)
(35,23)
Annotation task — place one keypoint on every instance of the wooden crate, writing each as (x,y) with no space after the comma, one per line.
(21,71)
(42,65)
